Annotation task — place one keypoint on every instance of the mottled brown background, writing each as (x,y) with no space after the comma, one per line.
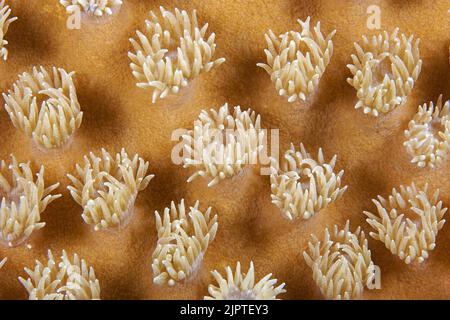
(117,114)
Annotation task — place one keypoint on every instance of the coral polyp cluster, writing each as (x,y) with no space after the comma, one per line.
(92,7)
(5,21)
(183,238)
(241,286)
(428,134)
(408,222)
(23,199)
(45,106)
(302,185)
(341,263)
(172,50)
(106,187)
(62,279)
(296,60)
(222,143)
(97,90)
(385,69)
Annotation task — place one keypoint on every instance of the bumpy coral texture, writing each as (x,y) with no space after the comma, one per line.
(62,279)
(242,286)
(302,185)
(408,222)
(223,143)
(106,187)
(385,69)
(428,134)
(341,263)
(45,106)
(171,51)
(183,238)
(92,7)
(23,199)
(297,60)
(5,21)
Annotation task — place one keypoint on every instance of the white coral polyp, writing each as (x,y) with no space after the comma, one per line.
(45,106)
(341,263)
(62,279)
(302,186)
(242,286)
(408,222)
(23,199)
(428,134)
(183,238)
(385,69)
(92,7)
(107,187)
(171,51)
(3,262)
(296,61)
(5,21)
(223,143)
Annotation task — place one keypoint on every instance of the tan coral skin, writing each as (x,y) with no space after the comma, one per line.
(117,114)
